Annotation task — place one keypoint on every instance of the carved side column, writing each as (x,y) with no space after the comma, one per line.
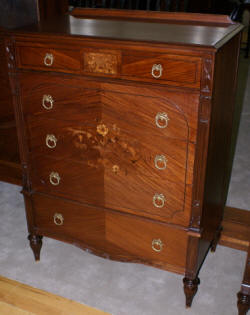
(198,243)
(35,240)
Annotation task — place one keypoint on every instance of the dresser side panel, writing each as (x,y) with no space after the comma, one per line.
(223,116)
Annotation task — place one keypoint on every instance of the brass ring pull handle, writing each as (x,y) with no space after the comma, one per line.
(160,162)
(157,71)
(48,60)
(159,200)
(47,102)
(51,141)
(58,219)
(161,120)
(157,245)
(54,178)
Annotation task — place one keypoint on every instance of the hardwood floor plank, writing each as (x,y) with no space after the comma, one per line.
(17,298)
(12,310)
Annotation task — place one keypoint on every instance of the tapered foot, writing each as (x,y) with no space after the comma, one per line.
(243,303)
(190,289)
(216,240)
(36,245)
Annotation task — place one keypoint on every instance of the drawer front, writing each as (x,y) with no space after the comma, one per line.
(118,151)
(120,236)
(48,59)
(64,100)
(60,217)
(152,241)
(170,69)
(164,69)
(60,100)
(124,190)
(113,149)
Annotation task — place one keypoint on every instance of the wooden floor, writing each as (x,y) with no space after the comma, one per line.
(20,299)
(236,229)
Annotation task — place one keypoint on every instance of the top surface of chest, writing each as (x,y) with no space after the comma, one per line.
(202,30)
(162,48)
(155,27)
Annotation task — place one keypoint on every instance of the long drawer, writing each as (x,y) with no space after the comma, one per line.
(155,67)
(89,104)
(117,151)
(131,192)
(120,236)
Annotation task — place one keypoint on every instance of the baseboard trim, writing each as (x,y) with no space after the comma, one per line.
(236,227)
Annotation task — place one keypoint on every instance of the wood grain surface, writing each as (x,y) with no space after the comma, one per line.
(96,128)
(220,137)
(158,16)
(186,33)
(235,225)
(91,103)
(63,60)
(164,89)
(177,70)
(182,70)
(84,144)
(121,237)
(127,191)
(20,299)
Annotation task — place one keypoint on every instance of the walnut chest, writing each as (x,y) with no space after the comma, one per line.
(124,123)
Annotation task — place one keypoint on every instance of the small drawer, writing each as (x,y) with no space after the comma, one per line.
(164,69)
(123,237)
(48,59)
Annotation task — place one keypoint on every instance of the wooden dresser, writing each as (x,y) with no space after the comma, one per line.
(124,123)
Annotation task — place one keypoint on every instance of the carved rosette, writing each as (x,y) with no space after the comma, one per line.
(207,73)
(203,134)
(196,216)
(11,64)
(9,50)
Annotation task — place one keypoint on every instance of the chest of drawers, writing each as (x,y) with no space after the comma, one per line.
(124,130)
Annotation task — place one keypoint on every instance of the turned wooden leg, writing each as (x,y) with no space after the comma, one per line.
(190,289)
(243,303)
(36,245)
(244,294)
(216,240)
